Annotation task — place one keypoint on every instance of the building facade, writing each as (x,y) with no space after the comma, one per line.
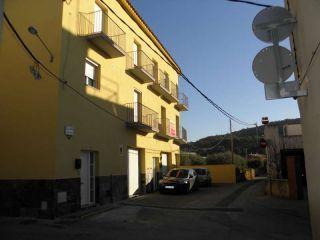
(304,42)
(105,127)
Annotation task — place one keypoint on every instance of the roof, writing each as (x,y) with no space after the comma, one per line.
(133,13)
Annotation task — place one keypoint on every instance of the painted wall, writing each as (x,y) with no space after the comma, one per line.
(34,113)
(28,115)
(306,36)
(96,130)
(221,173)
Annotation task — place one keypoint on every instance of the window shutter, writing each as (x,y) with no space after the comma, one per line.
(89,70)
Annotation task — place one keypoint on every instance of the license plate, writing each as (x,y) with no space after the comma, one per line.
(169,187)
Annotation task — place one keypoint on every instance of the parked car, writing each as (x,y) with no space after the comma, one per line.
(179,180)
(204,176)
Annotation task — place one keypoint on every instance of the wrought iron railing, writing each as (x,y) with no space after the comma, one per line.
(138,113)
(140,59)
(99,22)
(164,81)
(183,99)
(167,127)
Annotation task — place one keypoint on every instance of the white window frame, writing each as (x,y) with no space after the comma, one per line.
(91,81)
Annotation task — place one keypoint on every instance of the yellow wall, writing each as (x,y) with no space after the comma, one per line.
(96,130)
(306,37)
(34,113)
(222,173)
(28,115)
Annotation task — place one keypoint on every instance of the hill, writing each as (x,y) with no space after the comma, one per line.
(243,139)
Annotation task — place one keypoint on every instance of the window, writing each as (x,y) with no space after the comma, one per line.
(91,70)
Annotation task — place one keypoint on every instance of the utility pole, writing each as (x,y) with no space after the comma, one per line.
(257,134)
(231,142)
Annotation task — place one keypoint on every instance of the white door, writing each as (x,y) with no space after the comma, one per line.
(87,178)
(136,106)
(135,54)
(97,19)
(164,163)
(133,172)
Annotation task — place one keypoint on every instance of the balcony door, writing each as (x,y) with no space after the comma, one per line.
(97,19)
(135,48)
(136,106)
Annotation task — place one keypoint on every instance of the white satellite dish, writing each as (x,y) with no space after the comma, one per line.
(268,68)
(273,24)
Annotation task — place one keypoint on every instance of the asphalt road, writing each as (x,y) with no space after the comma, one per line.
(222,212)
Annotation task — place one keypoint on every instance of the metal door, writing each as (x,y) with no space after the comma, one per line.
(87,178)
(133,172)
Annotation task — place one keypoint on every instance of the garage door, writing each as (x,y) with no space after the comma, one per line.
(133,172)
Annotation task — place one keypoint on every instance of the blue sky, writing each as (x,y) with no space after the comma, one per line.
(213,43)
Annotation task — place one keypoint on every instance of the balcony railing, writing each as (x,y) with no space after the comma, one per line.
(167,128)
(183,103)
(141,66)
(181,137)
(165,87)
(103,32)
(141,117)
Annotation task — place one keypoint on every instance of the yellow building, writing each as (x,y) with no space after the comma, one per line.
(105,127)
(305,46)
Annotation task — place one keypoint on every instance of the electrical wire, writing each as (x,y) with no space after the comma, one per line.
(44,67)
(250,3)
(65,83)
(215,105)
(310,63)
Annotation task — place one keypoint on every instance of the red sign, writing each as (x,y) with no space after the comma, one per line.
(172,129)
(263,143)
(265,120)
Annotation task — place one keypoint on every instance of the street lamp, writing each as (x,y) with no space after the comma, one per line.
(32,30)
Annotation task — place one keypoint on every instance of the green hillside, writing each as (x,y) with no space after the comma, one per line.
(243,139)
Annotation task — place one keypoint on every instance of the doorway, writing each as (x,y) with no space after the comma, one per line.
(133,172)
(87,177)
(97,27)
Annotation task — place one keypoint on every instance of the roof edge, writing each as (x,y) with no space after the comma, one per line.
(133,13)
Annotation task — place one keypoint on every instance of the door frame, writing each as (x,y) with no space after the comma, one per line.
(139,169)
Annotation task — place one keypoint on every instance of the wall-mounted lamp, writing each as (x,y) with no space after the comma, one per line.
(34,32)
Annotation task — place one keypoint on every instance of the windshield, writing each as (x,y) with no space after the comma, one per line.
(200,171)
(178,173)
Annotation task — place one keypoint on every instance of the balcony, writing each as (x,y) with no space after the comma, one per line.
(181,137)
(167,129)
(165,87)
(141,66)
(141,118)
(103,32)
(182,104)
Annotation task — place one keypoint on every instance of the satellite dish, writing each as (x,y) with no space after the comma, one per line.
(265,65)
(273,24)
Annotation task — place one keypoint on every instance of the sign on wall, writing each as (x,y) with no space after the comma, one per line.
(172,129)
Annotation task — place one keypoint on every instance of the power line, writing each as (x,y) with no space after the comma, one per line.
(310,62)
(65,83)
(215,105)
(250,3)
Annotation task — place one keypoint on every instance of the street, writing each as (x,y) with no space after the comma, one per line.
(239,211)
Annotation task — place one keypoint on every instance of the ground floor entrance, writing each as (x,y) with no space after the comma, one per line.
(87,178)
(133,172)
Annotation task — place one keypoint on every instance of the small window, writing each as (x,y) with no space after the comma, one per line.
(91,70)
